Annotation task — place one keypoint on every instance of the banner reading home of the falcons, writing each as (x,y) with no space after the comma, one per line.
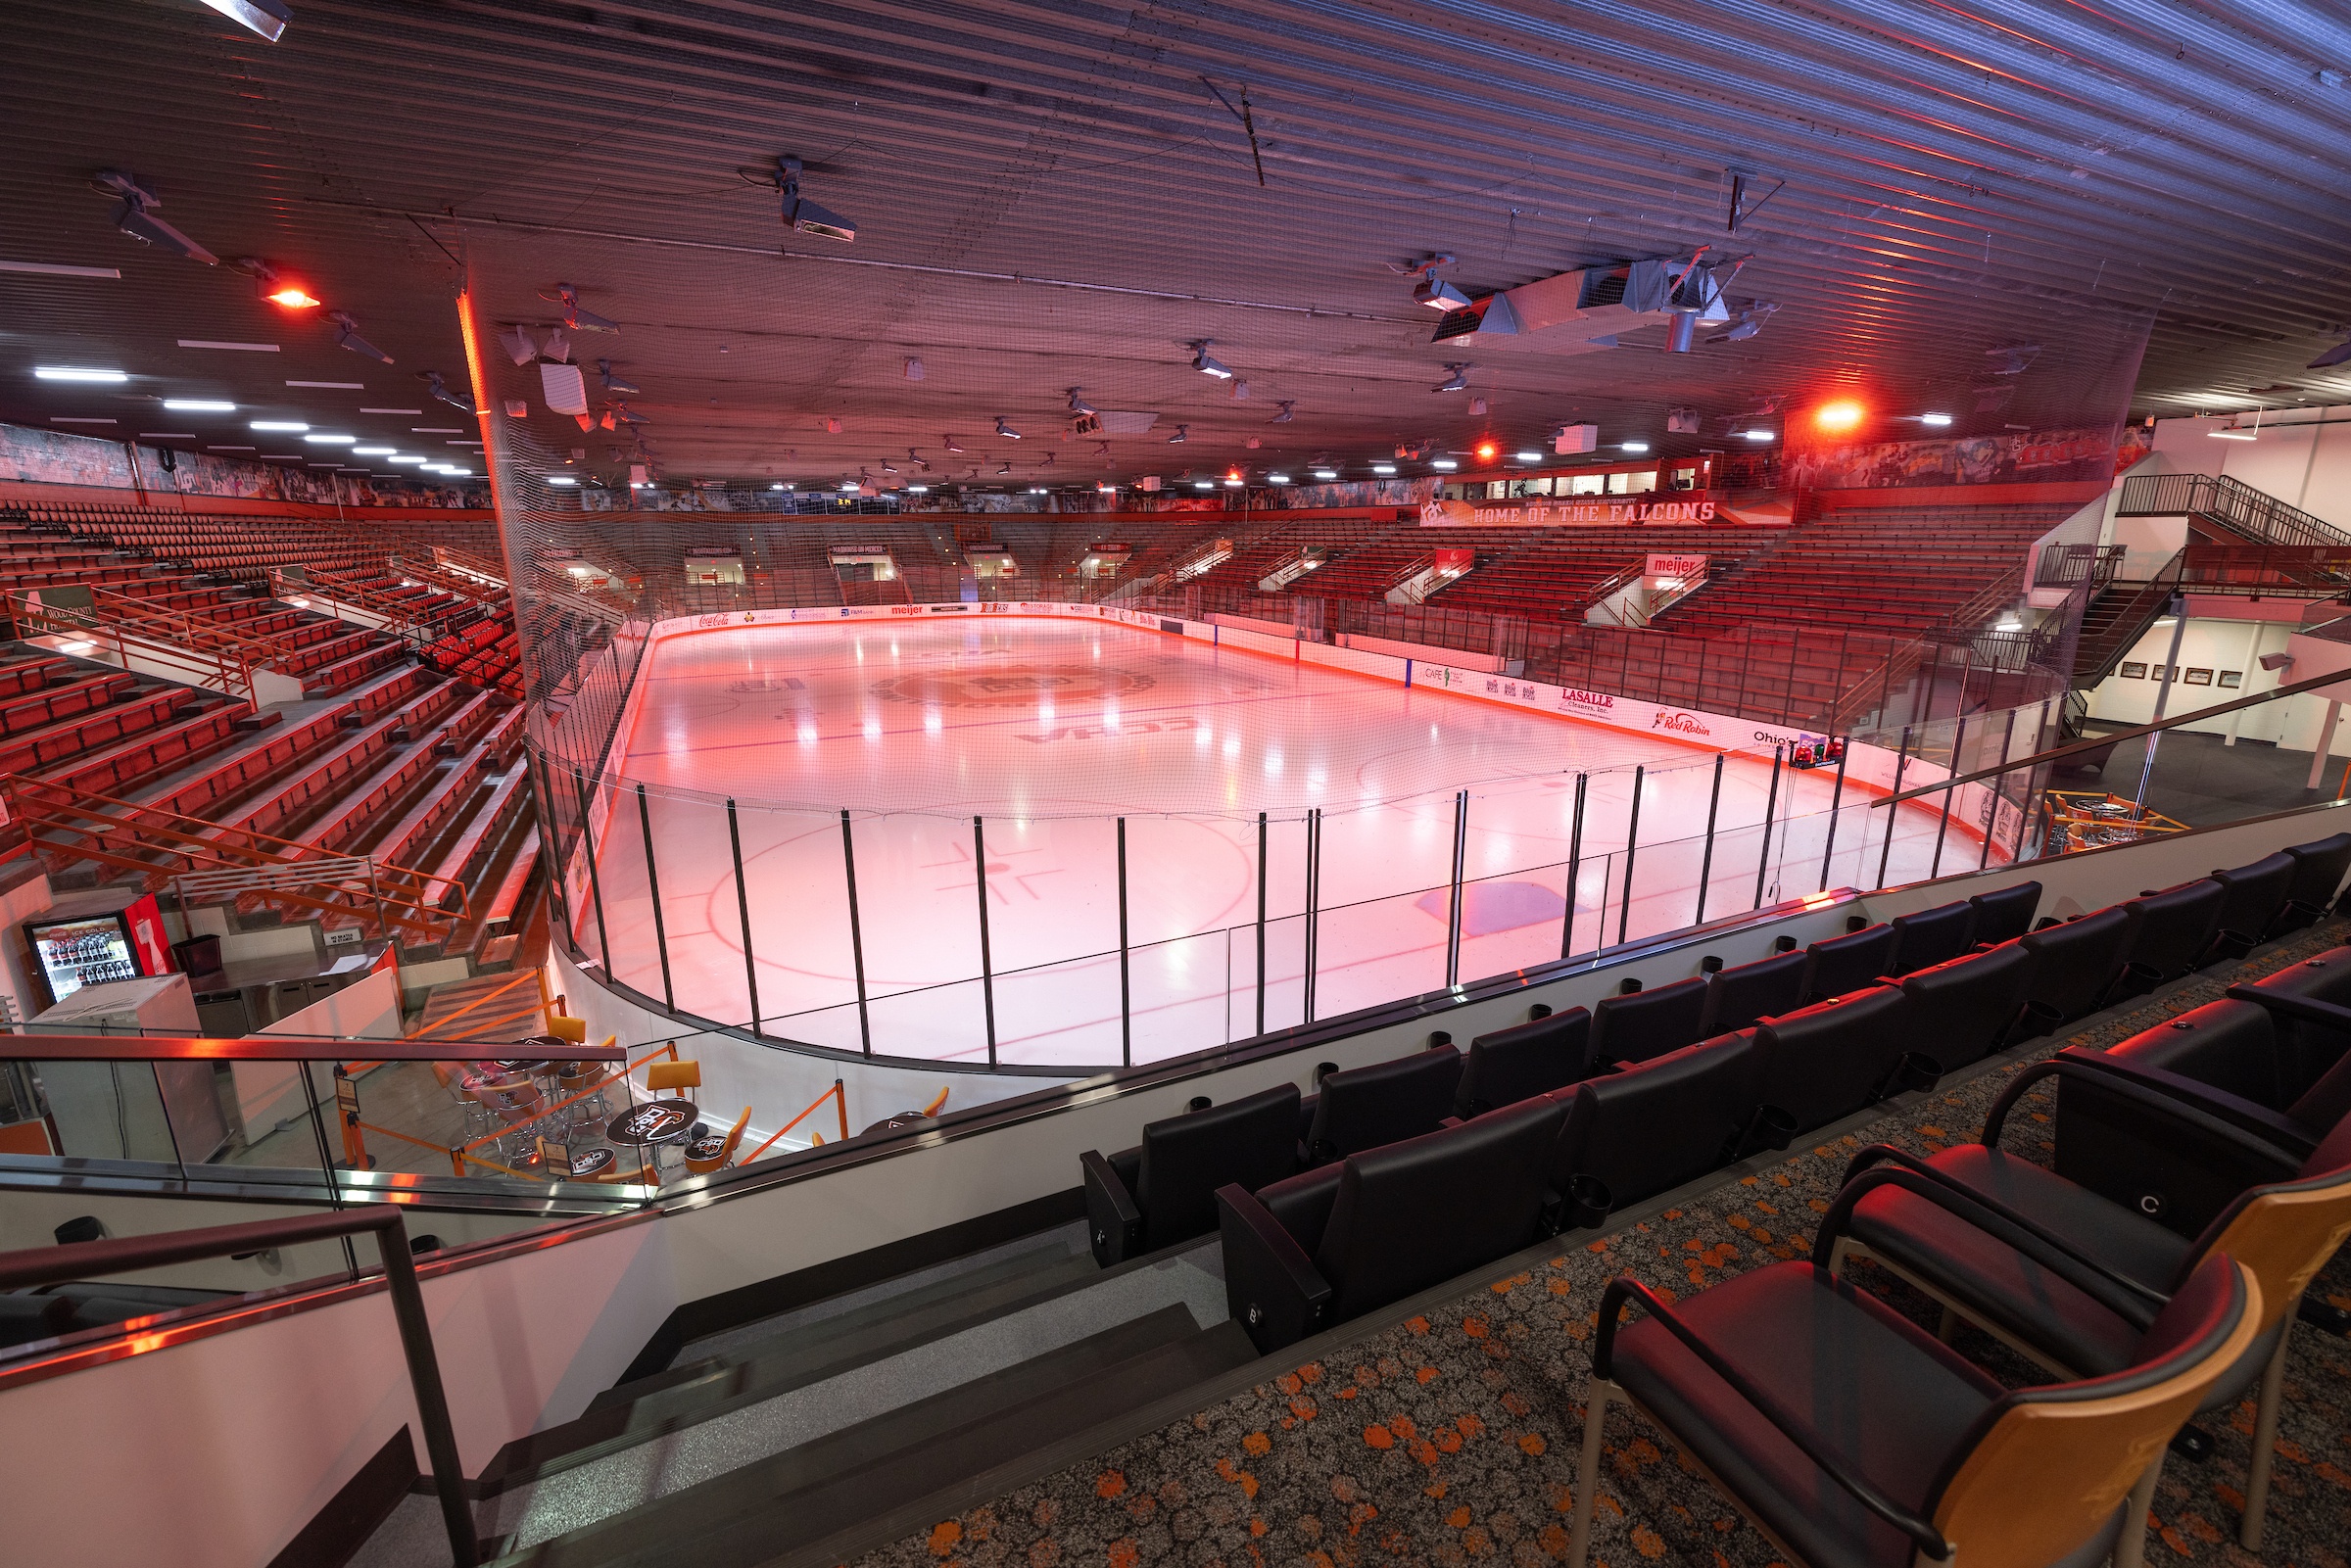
(1538,512)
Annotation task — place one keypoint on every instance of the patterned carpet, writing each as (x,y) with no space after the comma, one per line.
(1452,1437)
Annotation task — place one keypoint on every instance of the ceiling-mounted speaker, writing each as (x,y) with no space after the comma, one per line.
(1571,439)
(1149,482)
(563,388)
(1681,421)
(516,408)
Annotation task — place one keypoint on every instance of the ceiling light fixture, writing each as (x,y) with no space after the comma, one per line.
(1437,294)
(1005,430)
(217,343)
(1838,417)
(1285,417)
(1326,474)
(562,479)
(1634,446)
(918,490)
(1529,456)
(68,372)
(574,318)
(433,384)
(136,215)
(1383,469)
(268,18)
(293,297)
(277,424)
(1183,433)
(1487,451)
(405,459)
(373,451)
(59,269)
(1936,419)
(950,444)
(1755,434)
(321,438)
(1204,484)
(1206,364)
(1079,405)
(802,216)
(1459,381)
(620,385)
(1277,479)
(1443,465)
(347,336)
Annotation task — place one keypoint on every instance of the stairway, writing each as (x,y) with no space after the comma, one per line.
(2115,621)
(842,1424)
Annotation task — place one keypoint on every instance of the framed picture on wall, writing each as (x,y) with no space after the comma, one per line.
(2134,671)
(2233,677)
(2154,672)
(2199,678)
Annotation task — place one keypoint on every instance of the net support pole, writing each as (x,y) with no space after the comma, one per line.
(1632,840)
(743,913)
(1902,764)
(652,885)
(1828,849)
(1706,865)
(987,978)
(1575,870)
(1125,989)
(1261,923)
(1452,909)
(848,867)
(596,881)
(1771,802)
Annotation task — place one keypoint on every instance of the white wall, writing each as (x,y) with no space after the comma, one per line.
(2294,457)
(2292,723)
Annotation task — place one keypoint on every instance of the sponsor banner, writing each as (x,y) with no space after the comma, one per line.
(1679,568)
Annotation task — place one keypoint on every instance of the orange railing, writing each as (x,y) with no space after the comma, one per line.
(159,644)
(838,1096)
(161,846)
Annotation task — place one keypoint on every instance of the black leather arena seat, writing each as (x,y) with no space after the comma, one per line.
(1162,1191)
(1932,936)
(1331,1243)
(1963,1010)
(2076,965)
(2005,915)
(2255,903)
(1829,1060)
(1366,1107)
(1736,998)
(1631,1135)
(2318,871)
(1506,1065)
(1847,963)
(2174,933)
(1646,1023)
(2309,1047)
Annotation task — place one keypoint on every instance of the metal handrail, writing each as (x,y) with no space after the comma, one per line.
(52,1265)
(2099,743)
(267,1048)
(230,668)
(2229,501)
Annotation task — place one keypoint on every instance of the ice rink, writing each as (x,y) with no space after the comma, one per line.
(1050,731)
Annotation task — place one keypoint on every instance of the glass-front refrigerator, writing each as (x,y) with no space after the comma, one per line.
(87,951)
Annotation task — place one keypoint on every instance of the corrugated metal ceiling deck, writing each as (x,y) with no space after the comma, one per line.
(1052,195)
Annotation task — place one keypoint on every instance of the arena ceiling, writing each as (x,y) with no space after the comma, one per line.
(1984,209)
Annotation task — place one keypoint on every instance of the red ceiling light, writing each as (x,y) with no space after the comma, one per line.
(1839,416)
(1487,451)
(292,296)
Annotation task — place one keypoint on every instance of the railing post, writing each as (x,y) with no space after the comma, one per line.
(1453,902)
(1261,923)
(1828,849)
(1771,802)
(1575,867)
(1705,866)
(1126,991)
(841,1102)
(848,867)
(1632,837)
(652,885)
(596,884)
(742,912)
(987,978)
(1902,763)
(1999,781)
(1314,904)
(1949,793)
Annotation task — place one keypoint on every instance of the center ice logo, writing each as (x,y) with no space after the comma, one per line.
(1020,687)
